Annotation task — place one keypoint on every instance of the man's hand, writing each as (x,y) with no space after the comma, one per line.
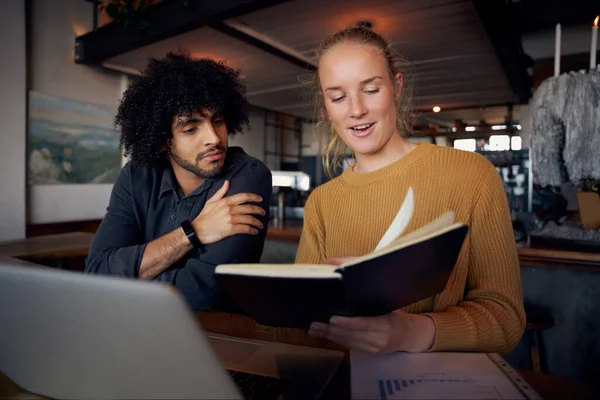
(222,216)
(397,331)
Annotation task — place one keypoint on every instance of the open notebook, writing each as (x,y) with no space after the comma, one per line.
(401,270)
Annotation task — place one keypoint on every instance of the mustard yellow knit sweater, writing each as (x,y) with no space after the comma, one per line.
(481,308)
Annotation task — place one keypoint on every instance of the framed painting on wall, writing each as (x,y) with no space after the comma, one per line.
(70,141)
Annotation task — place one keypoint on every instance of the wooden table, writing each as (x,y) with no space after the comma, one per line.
(285,231)
(557,387)
(77,245)
(557,258)
(242,326)
(549,387)
(64,245)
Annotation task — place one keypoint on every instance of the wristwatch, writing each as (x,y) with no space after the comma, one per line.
(186,225)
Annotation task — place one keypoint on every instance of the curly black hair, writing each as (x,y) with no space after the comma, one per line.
(176,85)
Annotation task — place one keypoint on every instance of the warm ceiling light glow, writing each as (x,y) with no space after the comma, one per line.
(218,57)
(383,23)
(437,109)
(596,20)
(79,30)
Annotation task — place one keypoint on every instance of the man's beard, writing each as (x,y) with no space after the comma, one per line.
(193,168)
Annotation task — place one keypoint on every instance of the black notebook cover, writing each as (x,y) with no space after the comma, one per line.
(370,288)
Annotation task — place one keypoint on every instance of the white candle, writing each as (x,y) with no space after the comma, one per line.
(557,50)
(594,45)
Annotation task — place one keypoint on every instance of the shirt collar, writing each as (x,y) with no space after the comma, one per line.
(168,181)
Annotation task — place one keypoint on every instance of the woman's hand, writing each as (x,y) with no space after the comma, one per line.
(397,331)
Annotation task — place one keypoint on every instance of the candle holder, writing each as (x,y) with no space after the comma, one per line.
(588,199)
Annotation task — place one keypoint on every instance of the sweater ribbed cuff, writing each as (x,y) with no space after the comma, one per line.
(451,332)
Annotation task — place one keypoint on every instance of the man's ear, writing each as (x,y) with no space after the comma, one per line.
(166,146)
(398,83)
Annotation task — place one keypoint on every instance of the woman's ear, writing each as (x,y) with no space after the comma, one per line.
(398,83)
(323,114)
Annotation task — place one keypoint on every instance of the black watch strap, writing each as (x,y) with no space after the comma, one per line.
(186,225)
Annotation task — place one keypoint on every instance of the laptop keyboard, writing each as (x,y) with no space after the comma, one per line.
(254,386)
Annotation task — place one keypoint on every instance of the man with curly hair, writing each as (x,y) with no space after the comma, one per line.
(185,202)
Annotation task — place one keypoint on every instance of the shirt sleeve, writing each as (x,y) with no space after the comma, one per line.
(195,280)
(491,317)
(311,248)
(117,247)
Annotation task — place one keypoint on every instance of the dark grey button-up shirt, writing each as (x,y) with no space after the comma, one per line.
(146,203)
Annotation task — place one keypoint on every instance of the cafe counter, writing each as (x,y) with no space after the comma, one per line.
(289,232)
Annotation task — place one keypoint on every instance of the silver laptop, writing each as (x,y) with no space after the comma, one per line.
(68,335)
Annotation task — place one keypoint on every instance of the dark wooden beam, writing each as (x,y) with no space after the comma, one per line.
(251,40)
(165,19)
(543,15)
(497,18)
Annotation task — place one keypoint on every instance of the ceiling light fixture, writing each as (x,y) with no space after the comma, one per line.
(436,109)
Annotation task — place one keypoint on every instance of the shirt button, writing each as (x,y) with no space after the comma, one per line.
(173,216)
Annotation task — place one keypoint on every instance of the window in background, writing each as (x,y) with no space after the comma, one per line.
(465,144)
(498,143)
(511,161)
(494,143)
(515,143)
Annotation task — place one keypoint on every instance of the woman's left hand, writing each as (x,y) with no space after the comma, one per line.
(397,331)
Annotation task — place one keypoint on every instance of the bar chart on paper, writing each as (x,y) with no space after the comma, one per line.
(436,376)
(439,388)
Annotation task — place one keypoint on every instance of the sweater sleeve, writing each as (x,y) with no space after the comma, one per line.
(491,316)
(311,249)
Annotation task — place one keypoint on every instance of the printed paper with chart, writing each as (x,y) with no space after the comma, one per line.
(436,376)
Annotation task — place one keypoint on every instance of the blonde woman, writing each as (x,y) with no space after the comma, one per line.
(364,100)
